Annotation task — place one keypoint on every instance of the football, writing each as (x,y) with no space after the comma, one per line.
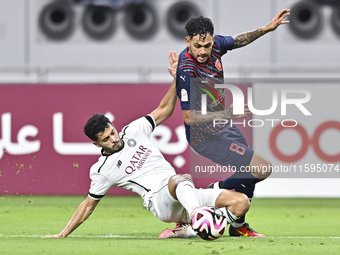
(209,223)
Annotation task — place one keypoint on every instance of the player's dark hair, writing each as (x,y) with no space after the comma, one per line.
(199,26)
(97,123)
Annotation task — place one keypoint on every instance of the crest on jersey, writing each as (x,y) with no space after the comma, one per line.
(184,95)
(131,142)
(218,65)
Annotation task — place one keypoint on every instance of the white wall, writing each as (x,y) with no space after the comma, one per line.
(82,59)
(12,33)
(306,163)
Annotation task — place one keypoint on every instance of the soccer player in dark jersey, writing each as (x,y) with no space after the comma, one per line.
(222,144)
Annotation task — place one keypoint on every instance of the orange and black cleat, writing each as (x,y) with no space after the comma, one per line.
(244,230)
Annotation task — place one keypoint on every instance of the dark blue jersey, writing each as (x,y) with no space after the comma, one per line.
(195,79)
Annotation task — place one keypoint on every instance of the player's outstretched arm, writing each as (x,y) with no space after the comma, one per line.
(248,37)
(168,103)
(81,214)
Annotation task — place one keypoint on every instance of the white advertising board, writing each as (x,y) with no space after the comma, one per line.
(306,157)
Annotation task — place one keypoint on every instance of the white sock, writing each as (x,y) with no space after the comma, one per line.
(191,232)
(229,215)
(186,195)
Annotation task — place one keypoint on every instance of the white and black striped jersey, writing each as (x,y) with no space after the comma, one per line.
(136,167)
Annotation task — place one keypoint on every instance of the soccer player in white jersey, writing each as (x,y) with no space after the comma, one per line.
(129,160)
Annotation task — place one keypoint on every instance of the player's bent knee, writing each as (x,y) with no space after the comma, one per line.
(260,167)
(240,204)
(267,169)
(187,176)
(237,203)
(243,205)
(174,181)
(270,168)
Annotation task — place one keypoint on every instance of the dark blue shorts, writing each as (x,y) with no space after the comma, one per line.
(227,148)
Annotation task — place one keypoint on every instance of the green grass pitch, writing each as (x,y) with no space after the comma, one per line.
(120,225)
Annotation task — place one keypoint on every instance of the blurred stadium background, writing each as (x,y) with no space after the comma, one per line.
(63,60)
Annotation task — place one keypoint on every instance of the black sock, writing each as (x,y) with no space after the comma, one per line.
(243,182)
(241,220)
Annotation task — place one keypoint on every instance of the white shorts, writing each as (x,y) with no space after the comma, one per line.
(161,204)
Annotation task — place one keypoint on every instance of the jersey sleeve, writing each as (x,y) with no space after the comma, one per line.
(224,43)
(185,92)
(145,124)
(98,187)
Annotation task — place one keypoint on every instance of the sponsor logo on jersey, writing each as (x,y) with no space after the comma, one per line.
(138,159)
(218,65)
(131,142)
(184,95)
(119,163)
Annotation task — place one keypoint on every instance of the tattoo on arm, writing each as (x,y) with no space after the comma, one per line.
(246,38)
(196,117)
